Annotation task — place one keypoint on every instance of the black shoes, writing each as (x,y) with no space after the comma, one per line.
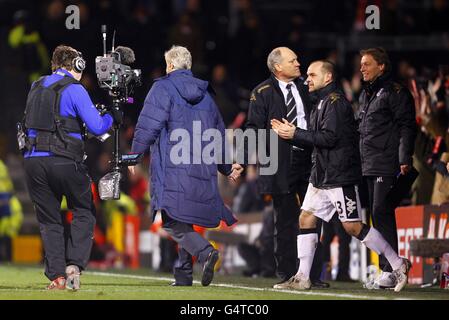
(208,268)
(320,284)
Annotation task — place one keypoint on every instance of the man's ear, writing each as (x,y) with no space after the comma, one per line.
(382,67)
(278,67)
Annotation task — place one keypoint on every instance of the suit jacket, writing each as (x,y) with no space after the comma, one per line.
(267,102)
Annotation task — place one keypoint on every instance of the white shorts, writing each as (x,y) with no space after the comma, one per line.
(323,203)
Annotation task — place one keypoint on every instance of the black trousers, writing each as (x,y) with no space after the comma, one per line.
(382,212)
(286,220)
(190,243)
(48,179)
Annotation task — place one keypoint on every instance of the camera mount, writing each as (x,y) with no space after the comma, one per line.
(119,79)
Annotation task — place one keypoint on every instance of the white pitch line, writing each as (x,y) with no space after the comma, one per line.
(309,293)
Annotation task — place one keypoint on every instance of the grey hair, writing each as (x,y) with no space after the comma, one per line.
(179,57)
(274,57)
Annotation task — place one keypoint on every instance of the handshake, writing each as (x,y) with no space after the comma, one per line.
(237,170)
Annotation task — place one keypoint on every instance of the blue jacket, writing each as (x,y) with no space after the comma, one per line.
(75,102)
(187,192)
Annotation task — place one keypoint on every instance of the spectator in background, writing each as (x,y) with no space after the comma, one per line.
(432,93)
(11,216)
(53,24)
(28,46)
(405,72)
(248,47)
(226,96)
(352,83)
(187,32)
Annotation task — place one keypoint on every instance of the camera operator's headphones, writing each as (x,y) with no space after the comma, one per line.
(78,63)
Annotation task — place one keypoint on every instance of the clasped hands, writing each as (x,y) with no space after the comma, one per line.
(285,129)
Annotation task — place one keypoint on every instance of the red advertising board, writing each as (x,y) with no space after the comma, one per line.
(132,226)
(410,226)
(416,222)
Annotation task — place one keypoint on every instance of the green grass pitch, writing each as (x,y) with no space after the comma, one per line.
(29,282)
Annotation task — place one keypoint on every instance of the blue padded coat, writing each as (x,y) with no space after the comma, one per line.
(187,191)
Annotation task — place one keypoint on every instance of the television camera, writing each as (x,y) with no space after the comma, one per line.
(115,75)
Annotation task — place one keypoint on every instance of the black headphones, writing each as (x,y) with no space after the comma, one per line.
(78,63)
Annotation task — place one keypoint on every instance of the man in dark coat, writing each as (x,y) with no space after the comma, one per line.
(183,186)
(284,95)
(335,175)
(387,140)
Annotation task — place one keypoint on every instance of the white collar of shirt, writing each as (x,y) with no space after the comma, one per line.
(284,84)
(302,123)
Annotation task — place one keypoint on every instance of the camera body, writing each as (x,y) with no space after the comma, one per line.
(115,76)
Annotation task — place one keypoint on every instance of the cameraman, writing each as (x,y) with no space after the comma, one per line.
(57,106)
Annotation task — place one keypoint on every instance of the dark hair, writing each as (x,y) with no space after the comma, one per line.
(380,55)
(328,66)
(63,57)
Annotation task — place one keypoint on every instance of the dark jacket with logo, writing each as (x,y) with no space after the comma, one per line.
(387,127)
(267,102)
(333,134)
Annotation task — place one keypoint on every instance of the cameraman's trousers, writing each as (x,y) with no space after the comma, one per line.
(48,179)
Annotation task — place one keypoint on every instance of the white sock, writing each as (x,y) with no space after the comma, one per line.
(375,241)
(306,250)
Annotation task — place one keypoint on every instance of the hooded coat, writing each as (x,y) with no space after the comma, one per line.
(177,111)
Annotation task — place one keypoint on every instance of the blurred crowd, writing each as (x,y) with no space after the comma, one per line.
(229,41)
